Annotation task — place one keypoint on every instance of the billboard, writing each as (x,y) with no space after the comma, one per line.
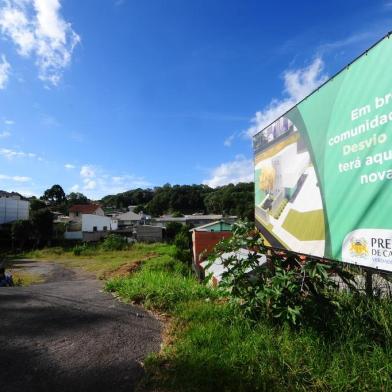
(323,171)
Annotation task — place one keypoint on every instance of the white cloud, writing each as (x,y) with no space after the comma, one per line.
(38,30)
(98,182)
(87,171)
(5,68)
(229,140)
(4,134)
(10,154)
(239,170)
(69,166)
(75,188)
(298,84)
(9,122)
(89,184)
(15,178)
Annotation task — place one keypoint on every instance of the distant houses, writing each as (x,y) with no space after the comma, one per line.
(88,222)
(194,220)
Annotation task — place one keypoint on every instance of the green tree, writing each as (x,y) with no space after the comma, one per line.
(42,224)
(36,204)
(21,231)
(172,229)
(54,195)
(76,198)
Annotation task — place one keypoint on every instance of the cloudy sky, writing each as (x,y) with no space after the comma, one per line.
(104,96)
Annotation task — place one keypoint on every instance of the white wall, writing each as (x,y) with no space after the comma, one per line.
(90,220)
(114,224)
(13,209)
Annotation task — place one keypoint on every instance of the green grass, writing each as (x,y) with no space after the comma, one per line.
(210,346)
(22,278)
(98,261)
(306,226)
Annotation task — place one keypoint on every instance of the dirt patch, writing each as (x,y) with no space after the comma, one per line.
(129,268)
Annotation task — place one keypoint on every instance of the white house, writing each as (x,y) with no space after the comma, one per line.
(91,223)
(76,211)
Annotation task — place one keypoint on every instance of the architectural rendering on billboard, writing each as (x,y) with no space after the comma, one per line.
(323,171)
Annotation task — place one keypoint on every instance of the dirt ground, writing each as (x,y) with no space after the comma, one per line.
(66,334)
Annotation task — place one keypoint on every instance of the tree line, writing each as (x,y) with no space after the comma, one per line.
(187,199)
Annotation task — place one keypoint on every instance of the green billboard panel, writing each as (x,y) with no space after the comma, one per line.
(323,171)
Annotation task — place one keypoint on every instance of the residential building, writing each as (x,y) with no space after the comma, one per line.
(204,239)
(77,210)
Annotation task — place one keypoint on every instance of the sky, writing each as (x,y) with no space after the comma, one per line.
(103,96)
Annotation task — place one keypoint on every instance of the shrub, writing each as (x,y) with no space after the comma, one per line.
(114,242)
(287,288)
(79,249)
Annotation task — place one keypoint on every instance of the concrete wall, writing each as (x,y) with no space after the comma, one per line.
(13,209)
(73,235)
(147,233)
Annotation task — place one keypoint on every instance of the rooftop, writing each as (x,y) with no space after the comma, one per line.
(84,208)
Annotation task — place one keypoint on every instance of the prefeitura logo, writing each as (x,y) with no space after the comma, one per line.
(369,247)
(359,247)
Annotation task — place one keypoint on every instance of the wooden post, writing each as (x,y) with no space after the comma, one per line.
(369,283)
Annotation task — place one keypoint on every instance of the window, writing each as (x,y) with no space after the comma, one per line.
(105,228)
(94,228)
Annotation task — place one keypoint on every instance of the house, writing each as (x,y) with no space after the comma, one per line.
(77,210)
(13,207)
(129,218)
(89,223)
(204,239)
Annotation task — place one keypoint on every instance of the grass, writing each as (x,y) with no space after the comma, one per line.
(22,278)
(306,226)
(210,346)
(98,261)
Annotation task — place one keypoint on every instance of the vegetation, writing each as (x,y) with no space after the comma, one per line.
(214,344)
(186,199)
(93,258)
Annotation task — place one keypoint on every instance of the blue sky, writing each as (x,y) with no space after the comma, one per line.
(102,99)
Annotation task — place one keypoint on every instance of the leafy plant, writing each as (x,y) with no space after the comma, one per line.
(287,287)
(114,242)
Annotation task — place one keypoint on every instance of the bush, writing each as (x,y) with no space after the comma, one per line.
(172,229)
(114,242)
(287,288)
(79,249)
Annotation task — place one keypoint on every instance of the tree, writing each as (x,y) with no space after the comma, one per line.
(172,229)
(36,204)
(42,224)
(55,195)
(21,232)
(77,198)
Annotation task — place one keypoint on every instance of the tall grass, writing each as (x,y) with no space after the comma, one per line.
(213,347)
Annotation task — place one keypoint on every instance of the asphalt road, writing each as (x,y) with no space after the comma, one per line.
(68,335)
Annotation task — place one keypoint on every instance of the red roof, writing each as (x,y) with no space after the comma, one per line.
(84,208)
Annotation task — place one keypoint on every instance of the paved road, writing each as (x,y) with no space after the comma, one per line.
(68,335)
